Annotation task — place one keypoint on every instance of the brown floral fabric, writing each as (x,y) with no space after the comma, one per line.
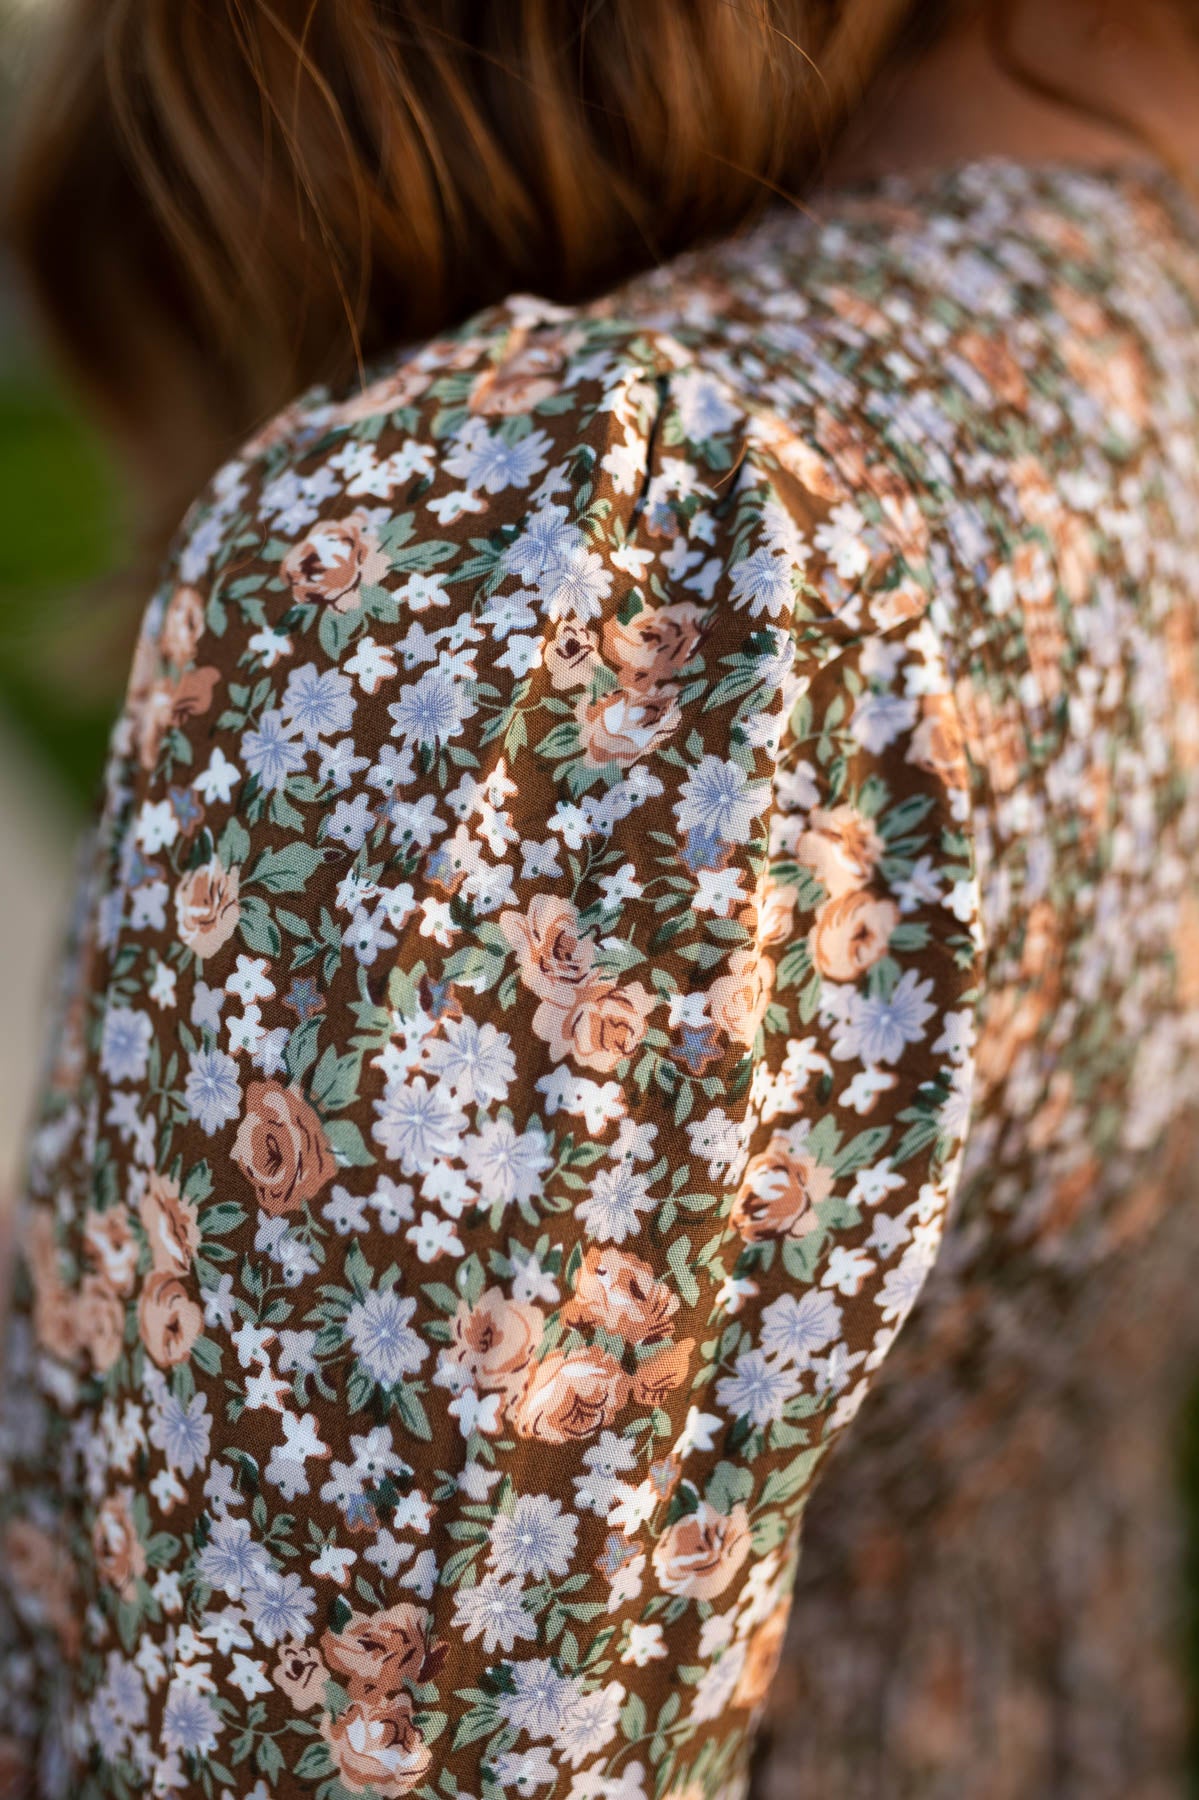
(634,837)
(996,1590)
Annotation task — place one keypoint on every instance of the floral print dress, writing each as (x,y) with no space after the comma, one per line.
(636,836)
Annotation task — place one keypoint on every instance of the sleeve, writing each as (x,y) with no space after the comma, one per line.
(530,1061)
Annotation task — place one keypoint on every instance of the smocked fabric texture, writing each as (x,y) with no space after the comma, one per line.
(634,837)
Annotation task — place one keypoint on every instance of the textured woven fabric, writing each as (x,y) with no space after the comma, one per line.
(996,1595)
(632,837)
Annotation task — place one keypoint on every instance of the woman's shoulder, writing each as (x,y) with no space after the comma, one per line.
(638,442)
(829,381)
(528,412)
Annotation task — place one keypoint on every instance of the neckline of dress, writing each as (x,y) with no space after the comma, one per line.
(924,182)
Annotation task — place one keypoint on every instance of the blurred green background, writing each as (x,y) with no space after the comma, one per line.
(61,539)
(62,547)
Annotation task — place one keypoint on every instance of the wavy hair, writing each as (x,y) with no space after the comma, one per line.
(219,202)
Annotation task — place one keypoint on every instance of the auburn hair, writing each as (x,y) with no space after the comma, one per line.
(220,202)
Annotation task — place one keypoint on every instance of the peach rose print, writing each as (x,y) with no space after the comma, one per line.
(169,1320)
(281,1148)
(111,1244)
(992,359)
(552,957)
(626,724)
(42,1570)
(571,656)
(377,1748)
(495,1340)
(376,1653)
(842,848)
(528,374)
(603,1024)
(938,744)
(737,1001)
(762,1658)
(100,1322)
(851,934)
(771,918)
(120,1558)
(55,1322)
(700,1554)
(207,909)
(666,1369)
(334,562)
(182,625)
(571,1396)
(621,1293)
(779,1193)
(170,1223)
(169,703)
(391,393)
(655,643)
(301,1675)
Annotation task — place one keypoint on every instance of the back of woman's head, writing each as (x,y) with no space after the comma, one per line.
(221,201)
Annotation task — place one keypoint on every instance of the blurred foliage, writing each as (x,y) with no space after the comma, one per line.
(62,639)
(60,542)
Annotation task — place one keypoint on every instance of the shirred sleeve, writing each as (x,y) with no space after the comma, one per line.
(529,1063)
